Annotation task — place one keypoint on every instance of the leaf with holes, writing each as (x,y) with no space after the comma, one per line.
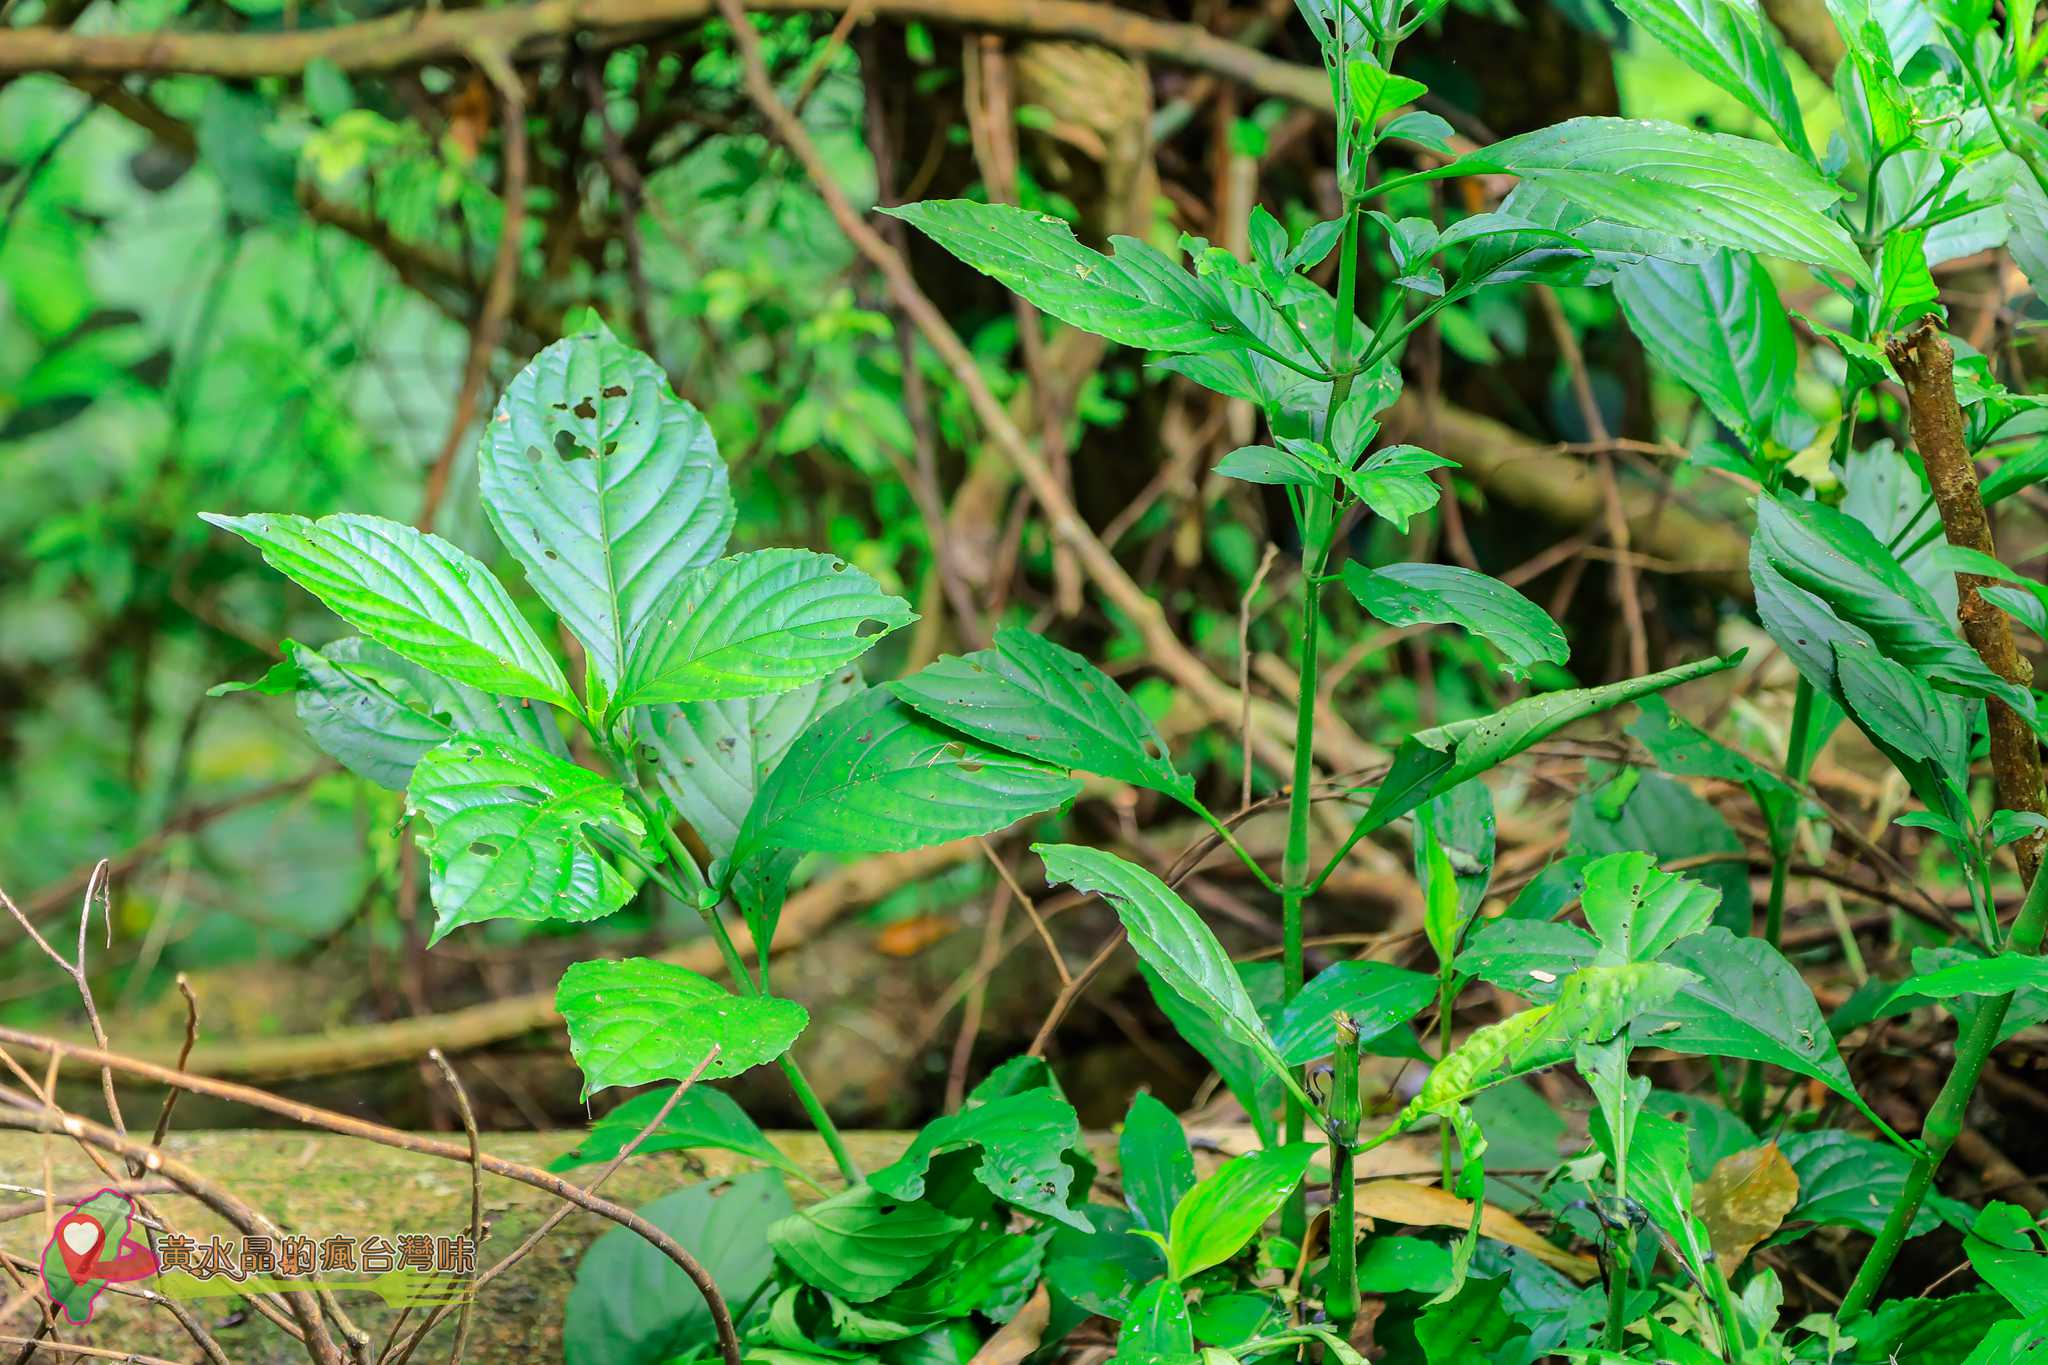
(1139,296)
(757,623)
(1637,910)
(1033,697)
(414,593)
(510,836)
(1023,1140)
(874,776)
(378,714)
(1444,594)
(605,487)
(633,1020)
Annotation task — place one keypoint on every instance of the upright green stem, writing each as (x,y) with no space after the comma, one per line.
(1446,980)
(1784,837)
(1621,1256)
(1945,1120)
(813,1107)
(1340,1295)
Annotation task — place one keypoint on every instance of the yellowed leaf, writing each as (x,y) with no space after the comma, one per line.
(1428,1206)
(1745,1200)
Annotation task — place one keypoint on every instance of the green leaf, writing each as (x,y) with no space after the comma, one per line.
(1725,191)
(1435,760)
(414,593)
(1138,297)
(874,776)
(633,1020)
(1270,465)
(1023,1140)
(1214,1220)
(1241,1068)
(1474,1324)
(631,1302)
(990,1272)
(1377,995)
(1376,92)
(1035,698)
(1896,707)
(1394,481)
(1637,910)
(510,834)
(1926,1331)
(1999,974)
(1153,1162)
(1846,1181)
(1157,1330)
(756,623)
(378,714)
(1647,810)
(1528,957)
(1408,594)
(605,487)
(2006,1250)
(1836,559)
(1728,43)
(711,757)
(1682,748)
(1718,327)
(1906,288)
(1169,937)
(1745,1000)
(703,1117)
(862,1243)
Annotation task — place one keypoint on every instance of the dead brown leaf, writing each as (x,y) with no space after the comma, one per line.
(1427,1206)
(1020,1336)
(1745,1200)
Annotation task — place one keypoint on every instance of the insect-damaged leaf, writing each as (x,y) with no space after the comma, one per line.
(1023,1139)
(606,488)
(633,1020)
(1745,1200)
(510,834)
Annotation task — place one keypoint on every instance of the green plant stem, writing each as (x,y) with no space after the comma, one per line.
(1621,1256)
(1340,1293)
(1945,1120)
(813,1107)
(1230,841)
(1783,836)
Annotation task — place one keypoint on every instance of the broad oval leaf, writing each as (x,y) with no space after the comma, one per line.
(1745,1000)
(605,487)
(761,622)
(1394,481)
(1846,1181)
(862,1243)
(1139,296)
(631,1302)
(1169,937)
(874,776)
(414,593)
(635,1019)
(1726,191)
(1153,1162)
(1213,1221)
(1526,956)
(1036,698)
(378,714)
(1376,995)
(1157,1330)
(1445,594)
(1718,327)
(510,837)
